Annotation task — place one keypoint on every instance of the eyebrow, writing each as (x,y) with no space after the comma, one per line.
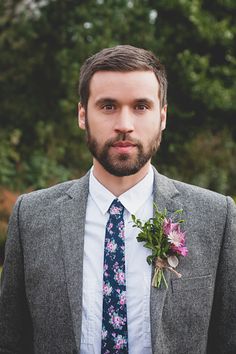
(145,100)
(109,100)
(105,100)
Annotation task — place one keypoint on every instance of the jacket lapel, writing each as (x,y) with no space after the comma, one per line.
(165,196)
(72,218)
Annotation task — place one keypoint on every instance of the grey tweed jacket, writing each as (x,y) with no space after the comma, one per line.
(41,285)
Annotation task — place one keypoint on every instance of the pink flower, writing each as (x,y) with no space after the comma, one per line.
(120,277)
(176,237)
(111,246)
(105,268)
(115,210)
(111,310)
(169,226)
(120,342)
(107,289)
(115,266)
(122,298)
(109,227)
(182,250)
(117,321)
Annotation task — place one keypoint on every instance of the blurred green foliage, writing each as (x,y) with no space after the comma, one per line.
(44,43)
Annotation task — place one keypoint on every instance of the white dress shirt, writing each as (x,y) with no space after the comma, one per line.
(139,201)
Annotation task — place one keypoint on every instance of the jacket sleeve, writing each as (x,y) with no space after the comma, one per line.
(15,321)
(222,330)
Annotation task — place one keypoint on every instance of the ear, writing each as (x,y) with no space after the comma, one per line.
(81,116)
(163,116)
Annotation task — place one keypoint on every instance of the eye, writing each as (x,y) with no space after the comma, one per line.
(108,107)
(141,107)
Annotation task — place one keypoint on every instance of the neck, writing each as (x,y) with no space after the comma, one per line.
(118,185)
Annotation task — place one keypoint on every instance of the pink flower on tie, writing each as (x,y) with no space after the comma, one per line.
(105,268)
(109,227)
(120,277)
(115,210)
(120,342)
(115,266)
(111,310)
(111,246)
(107,289)
(122,298)
(117,321)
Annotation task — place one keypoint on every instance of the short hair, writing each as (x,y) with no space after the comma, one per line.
(122,58)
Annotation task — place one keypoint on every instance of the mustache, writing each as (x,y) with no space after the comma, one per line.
(123,137)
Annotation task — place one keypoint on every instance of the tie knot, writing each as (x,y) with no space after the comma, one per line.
(116,208)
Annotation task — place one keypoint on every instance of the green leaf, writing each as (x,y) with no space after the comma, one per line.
(150,259)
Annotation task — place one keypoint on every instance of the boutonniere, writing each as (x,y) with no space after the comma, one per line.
(163,236)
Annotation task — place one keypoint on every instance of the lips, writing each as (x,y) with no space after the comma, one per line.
(123,144)
(123,147)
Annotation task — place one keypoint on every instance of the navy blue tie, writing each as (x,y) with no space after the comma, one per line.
(114,316)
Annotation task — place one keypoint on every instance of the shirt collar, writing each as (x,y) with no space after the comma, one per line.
(132,199)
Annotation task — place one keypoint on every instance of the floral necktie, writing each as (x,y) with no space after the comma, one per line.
(114,320)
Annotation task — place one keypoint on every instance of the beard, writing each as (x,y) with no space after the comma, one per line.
(122,164)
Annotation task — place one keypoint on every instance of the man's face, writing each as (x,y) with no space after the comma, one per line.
(123,120)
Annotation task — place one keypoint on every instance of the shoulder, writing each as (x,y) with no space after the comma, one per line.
(198,193)
(54,195)
(206,201)
(195,197)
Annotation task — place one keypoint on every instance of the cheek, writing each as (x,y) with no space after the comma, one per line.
(99,132)
(150,129)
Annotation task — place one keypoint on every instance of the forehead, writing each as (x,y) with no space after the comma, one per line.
(120,85)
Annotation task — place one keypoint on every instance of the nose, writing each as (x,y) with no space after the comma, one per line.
(124,121)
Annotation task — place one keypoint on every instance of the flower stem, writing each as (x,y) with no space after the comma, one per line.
(154,279)
(164,279)
(175,272)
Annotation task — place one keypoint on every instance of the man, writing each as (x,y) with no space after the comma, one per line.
(54,290)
